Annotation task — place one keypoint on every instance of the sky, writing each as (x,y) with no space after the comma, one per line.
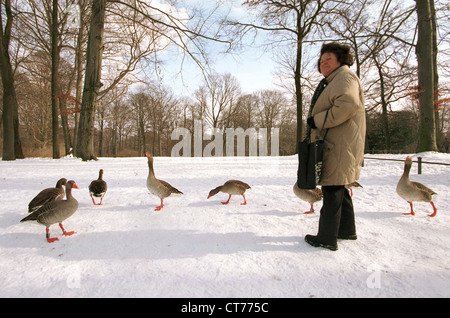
(252,66)
(253,72)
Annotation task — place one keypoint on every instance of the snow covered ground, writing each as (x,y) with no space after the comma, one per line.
(196,247)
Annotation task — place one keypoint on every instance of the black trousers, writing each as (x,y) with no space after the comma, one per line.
(337,217)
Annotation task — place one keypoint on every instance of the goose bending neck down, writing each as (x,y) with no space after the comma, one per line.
(231,187)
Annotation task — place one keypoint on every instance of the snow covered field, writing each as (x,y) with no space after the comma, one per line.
(196,247)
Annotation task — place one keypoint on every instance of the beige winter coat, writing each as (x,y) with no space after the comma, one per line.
(343,99)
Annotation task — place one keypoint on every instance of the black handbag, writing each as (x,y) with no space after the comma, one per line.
(310,157)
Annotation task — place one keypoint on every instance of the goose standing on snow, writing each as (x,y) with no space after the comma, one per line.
(56,212)
(311,196)
(97,188)
(160,188)
(414,191)
(231,187)
(48,195)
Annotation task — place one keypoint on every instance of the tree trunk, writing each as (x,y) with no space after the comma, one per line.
(55,81)
(79,56)
(435,73)
(384,104)
(9,102)
(18,153)
(9,93)
(100,135)
(298,82)
(92,84)
(424,52)
(65,126)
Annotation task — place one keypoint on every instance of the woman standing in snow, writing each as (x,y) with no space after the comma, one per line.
(339,109)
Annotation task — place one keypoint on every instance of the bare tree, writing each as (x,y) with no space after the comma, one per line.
(290,21)
(219,94)
(163,22)
(11,142)
(424,52)
(385,53)
(269,105)
(55,50)
(162,107)
(34,98)
(119,122)
(269,108)
(139,102)
(92,83)
(45,29)
(245,116)
(79,61)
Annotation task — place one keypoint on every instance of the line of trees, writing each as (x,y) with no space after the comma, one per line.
(87,70)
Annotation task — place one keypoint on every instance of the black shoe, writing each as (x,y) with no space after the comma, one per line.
(314,241)
(352,237)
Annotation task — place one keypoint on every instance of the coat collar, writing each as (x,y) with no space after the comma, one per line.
(336,71)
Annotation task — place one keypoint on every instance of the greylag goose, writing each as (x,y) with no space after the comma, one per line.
(414,191)
(352,185)
(48,195)
(97,188)
(231,187)
(56,212)
(311,196)
(160,188)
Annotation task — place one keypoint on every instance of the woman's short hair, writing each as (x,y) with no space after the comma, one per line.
(342,52)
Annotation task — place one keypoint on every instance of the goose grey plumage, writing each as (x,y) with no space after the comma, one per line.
(160,188)
(48,195)
(56,212)
(414,191)
(231,187)
(309,195)
(97,188)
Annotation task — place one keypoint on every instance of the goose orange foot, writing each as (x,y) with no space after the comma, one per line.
(432,215)
(311,210)
(228,201)
(65,233)
(93,200)
(412,211)
(47,236)
(158,208)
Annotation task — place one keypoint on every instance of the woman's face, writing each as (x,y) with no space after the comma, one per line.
(328,63)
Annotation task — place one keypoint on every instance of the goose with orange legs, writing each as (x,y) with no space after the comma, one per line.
(414,191)
(311,196)
(56,212)
(231,187)
(97,188)
(160,188)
